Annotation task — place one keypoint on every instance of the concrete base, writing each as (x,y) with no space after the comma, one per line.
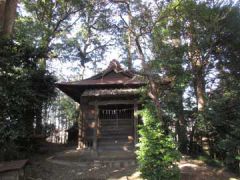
(115,159)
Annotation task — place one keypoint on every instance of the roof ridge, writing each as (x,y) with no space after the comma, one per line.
(115,66)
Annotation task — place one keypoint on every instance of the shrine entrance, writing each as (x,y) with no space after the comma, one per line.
(116,127)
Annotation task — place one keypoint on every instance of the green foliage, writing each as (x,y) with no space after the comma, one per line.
(175,30)
(223,114)
(87,43)
(8,134)
(169,51)
(157,152)
(214,31)
(68,108)
(24,87)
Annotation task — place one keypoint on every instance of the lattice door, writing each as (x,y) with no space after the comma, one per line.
(116,124)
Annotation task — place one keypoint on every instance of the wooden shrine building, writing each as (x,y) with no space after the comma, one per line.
(107,101)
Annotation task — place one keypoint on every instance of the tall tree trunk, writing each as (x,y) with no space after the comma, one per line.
(198,68)
(129,45)
(28,121)
(199,86)
(181,126)
(153,87)
(191,141)
(154,95)
(8,15)
(39,118)
(2,12)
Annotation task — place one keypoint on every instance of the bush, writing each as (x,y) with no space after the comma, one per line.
(8,137)
(157,152)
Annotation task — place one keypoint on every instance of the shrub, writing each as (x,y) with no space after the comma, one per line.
(157,152)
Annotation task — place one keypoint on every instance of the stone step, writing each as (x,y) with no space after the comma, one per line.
(115,144)
(114,124)
(114,138)
(117,133)
(106,143)
(110,155)
(114,163)
(116,128)
(114,141)
(114,119)
(116,148)
(119,137)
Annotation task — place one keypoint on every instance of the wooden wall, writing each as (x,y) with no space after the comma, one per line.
(89,117)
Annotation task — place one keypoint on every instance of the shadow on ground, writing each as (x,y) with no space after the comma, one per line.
(66,163)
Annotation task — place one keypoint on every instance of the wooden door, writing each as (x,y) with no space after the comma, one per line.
(116,125)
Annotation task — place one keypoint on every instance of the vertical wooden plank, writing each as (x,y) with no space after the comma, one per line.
(95,128)
(135,123)
(80,129)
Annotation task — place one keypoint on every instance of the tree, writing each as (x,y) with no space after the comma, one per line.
(198,40)
(169,60)
(157,151)
(89,42)
(7,16)
(144,17)
(24,87)
(223,111)
(47,20)
(194,26)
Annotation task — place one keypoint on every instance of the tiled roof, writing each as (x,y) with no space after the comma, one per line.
(105,81)
(111,78)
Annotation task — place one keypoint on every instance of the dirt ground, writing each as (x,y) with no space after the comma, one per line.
(61,163)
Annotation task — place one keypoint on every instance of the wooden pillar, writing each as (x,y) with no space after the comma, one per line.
(95,128)
(135,124)
(80,129)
